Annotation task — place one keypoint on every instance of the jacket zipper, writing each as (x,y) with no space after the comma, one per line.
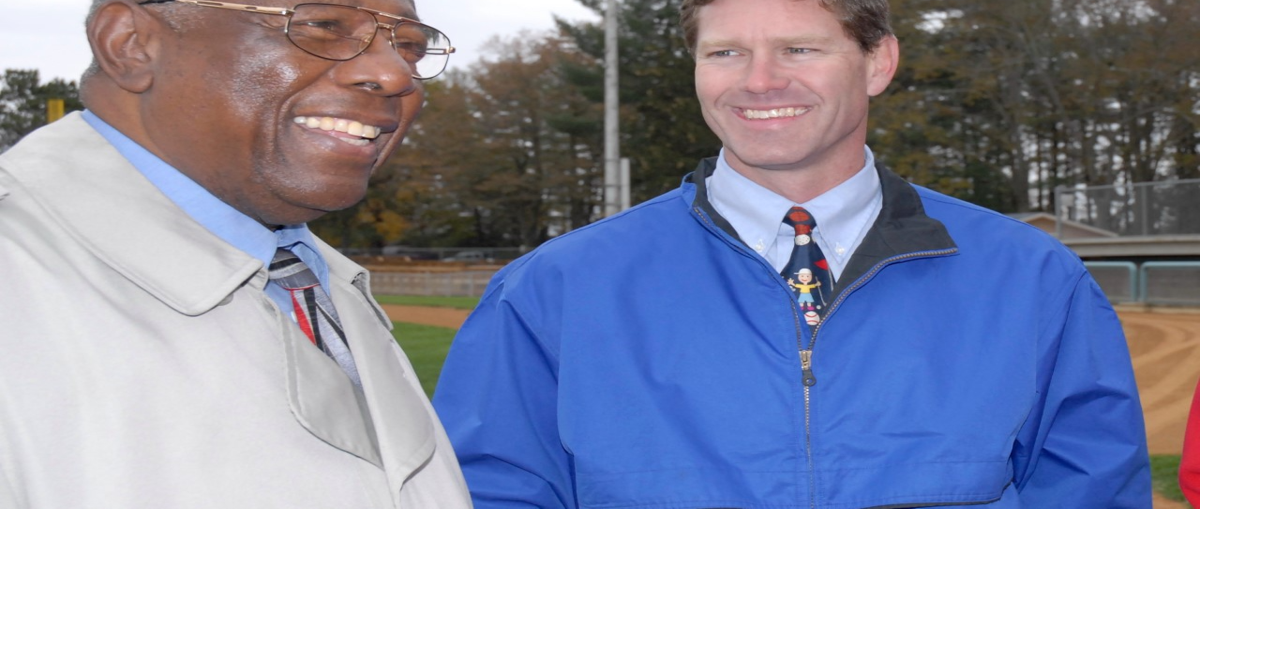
(807,377)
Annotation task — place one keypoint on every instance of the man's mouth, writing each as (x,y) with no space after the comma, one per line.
(776,113)
(357,133)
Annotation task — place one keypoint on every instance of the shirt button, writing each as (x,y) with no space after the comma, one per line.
(759,246)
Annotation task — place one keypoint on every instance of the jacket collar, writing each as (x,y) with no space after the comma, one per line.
(902,228)
(126,222)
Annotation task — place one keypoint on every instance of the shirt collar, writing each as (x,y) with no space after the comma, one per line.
(754,211)
(232,226)
(844,212)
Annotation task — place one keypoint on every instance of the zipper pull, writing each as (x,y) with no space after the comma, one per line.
(806,368)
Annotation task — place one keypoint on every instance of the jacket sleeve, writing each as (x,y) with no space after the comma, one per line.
(1189,466)
(497,398)
(1085,445)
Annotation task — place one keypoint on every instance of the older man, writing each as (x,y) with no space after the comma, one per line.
(174,336)
(796,326)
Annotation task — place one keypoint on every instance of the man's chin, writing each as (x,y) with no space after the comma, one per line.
(304,211)
(339,196)
(292,196)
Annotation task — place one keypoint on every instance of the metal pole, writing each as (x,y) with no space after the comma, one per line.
(624,166)
(611,149)
(1059,210)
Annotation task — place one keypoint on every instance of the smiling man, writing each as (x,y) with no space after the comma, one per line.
(175,335)
(796,326)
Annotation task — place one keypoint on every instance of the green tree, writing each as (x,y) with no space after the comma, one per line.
(660,120)
(23,102)
(999,102)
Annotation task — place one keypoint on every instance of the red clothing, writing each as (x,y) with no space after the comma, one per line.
(1189,469)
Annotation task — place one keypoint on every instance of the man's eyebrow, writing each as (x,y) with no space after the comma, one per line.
(803,39)
(715,44)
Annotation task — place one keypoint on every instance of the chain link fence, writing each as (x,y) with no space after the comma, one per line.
(1170,208)
(416,283)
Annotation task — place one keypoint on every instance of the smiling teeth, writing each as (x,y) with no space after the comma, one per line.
(776,113)
(348,126)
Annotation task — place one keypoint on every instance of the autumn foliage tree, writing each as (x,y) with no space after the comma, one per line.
(498,158)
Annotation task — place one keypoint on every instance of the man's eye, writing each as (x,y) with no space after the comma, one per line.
(799,50)
(412,48)
(331,26)
(721,53)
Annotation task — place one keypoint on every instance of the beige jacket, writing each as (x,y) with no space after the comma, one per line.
(142,364)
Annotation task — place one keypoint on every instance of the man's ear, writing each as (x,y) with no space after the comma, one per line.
(123,37)
(882,63)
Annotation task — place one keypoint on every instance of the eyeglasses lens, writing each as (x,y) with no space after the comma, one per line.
(342,32)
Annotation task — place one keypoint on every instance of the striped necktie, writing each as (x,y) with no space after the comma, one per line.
(807,272)
(312,309)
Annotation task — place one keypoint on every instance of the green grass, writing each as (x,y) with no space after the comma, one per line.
(464,302)
(426,348)
(1164,477)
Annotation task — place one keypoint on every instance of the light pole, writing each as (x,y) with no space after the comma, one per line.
(612,171)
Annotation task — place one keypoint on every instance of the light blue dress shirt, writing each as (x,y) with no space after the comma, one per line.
(237,229)
(844,213)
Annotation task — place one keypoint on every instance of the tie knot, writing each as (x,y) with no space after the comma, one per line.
(800,218)
(290,272)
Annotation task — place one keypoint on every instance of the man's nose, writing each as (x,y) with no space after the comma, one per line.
(765,73)
(381,65)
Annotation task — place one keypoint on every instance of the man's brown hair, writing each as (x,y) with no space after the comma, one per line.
(865,21)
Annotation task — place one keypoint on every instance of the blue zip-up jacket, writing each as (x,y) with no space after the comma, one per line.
(653,360)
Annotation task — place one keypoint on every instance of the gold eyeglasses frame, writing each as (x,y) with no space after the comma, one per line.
(288,13)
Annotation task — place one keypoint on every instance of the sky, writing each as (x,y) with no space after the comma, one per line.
(48,35)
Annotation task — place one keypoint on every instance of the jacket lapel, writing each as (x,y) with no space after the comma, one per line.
(398,407)
(321,396)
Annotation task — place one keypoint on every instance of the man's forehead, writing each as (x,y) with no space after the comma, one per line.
(723,17)
(399,7)
(405,8)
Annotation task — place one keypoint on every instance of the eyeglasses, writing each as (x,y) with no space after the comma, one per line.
(342,32)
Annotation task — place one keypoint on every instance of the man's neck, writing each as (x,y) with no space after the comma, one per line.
(801,184)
